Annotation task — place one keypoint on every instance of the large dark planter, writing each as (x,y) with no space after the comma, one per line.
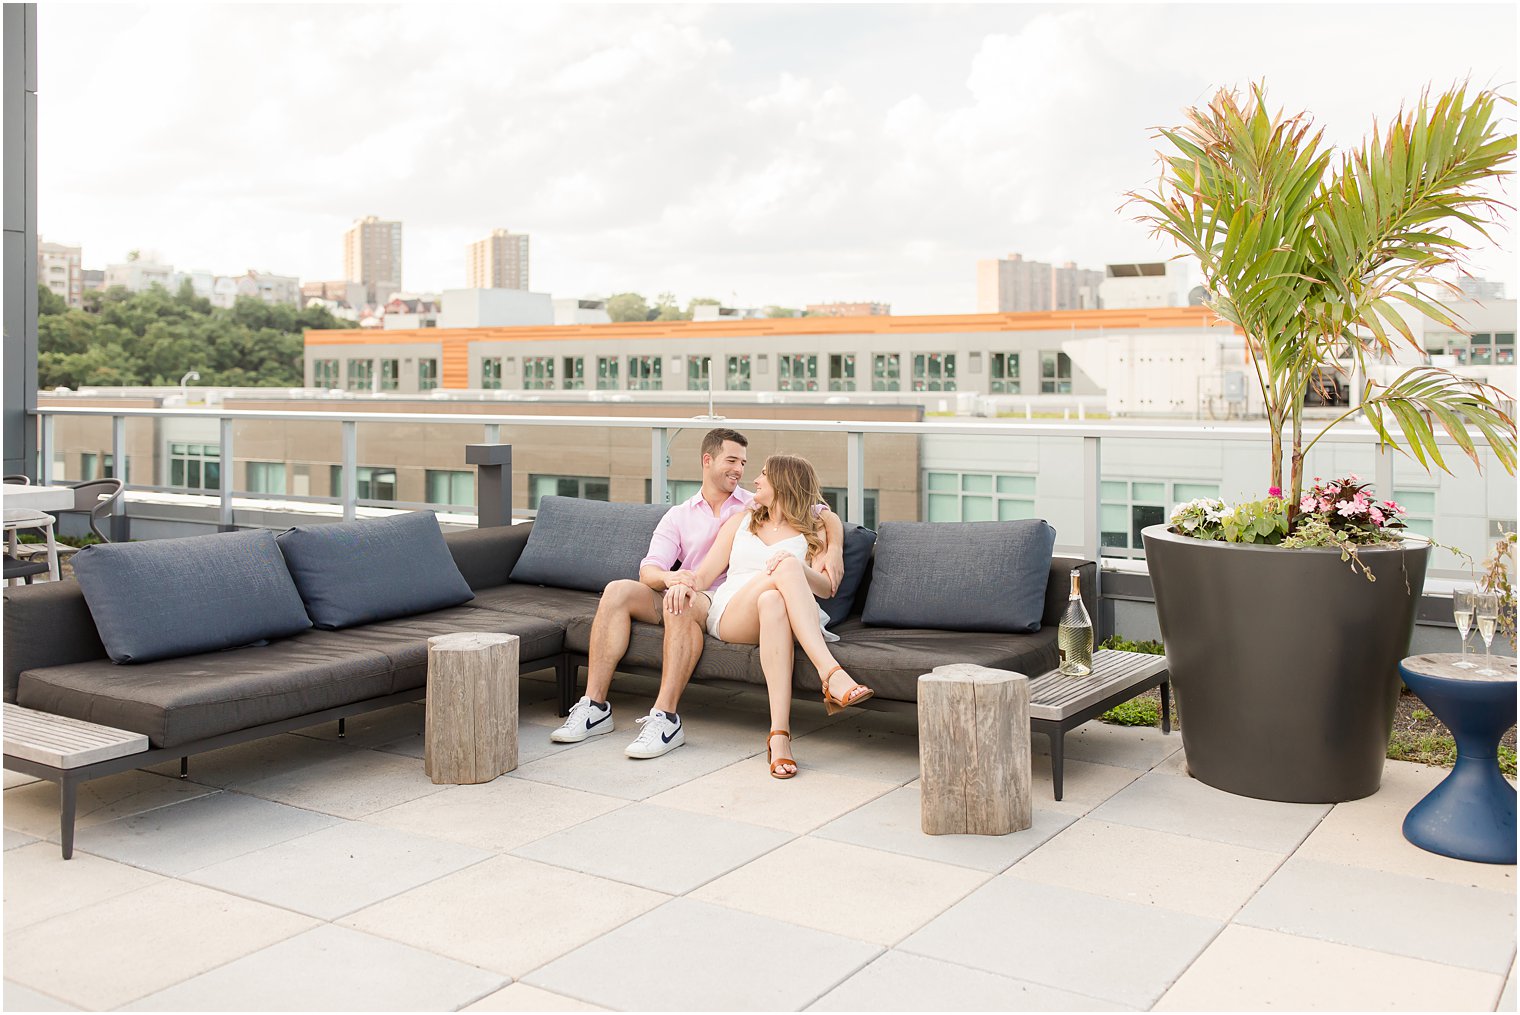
(1284,662)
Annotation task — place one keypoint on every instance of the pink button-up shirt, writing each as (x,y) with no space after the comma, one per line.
(688,530)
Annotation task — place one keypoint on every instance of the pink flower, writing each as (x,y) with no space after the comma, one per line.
(1326,504)
(1333,490)
(1353,477)
(1393,508)
(1307,503)
(1375,515)
(1351,508)
(1274,491)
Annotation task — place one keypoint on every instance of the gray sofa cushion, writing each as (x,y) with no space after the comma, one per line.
(646,651)
(858,541)
(584,544)
(547,602)
(175,597)
(176,701)
(890,660)
(373,569)
(961,576)
(404,640)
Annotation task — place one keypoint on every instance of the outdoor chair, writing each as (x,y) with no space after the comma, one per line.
(23,570)
(97,498)
(19,479)
(23,518)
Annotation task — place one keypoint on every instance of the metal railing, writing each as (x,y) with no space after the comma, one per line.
(662,431)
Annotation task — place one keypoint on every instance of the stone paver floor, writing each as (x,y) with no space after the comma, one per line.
(308,872)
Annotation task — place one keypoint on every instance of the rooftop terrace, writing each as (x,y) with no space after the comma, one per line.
(308,872)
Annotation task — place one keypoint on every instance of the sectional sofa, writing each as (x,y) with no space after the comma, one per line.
(539,581)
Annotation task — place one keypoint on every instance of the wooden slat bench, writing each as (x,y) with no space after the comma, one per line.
(1059,703)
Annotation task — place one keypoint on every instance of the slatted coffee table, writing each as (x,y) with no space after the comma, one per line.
(60,749)
(1059,703)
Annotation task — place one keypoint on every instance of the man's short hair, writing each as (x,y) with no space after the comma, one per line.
(713,442)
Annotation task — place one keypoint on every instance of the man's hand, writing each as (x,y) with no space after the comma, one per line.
(683,576)
(677,598)
(832,567)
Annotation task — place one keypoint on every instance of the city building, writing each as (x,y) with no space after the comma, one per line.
(139,273)
(340,292)
(1014,285)
(269,287)
(202,283)
(372,255)
(490,308)
(718,312)
(94,279)
(849,309)
(570,310)
(404,312)
(59,268)
(500,261)
(1146,284)
(1480,289)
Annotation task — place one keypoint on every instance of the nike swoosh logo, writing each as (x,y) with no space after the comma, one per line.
(604,718)
(668,737)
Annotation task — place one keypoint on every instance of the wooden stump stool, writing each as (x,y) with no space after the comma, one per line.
(471,728)
(973,749)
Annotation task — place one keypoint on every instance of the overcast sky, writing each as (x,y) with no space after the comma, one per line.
(753,153)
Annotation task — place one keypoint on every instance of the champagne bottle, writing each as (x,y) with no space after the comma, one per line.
(1074,637)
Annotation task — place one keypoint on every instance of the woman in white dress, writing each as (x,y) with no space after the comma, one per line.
(769,599)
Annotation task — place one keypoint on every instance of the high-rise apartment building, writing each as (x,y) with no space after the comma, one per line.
(372,255)
(849,309)
(59,268)
(1014,285)
(500,261)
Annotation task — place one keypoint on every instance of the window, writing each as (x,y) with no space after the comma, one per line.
(446,486)
(1327,387)
(678,490)
(89,466)
(324,373)
(886,372)
(538,373)
(575,373)
(606,372)
(195,466)
(584,487)
(1129,506)
(375,482)
(427,374)
(698,373)
(934,371)
(1055,373)
(836,498)
(490,373)
(1489,349)
(1419,510)
(797,373)
(977,497)
(842,372)
(361,375)
(266,477)
(1004,376)
(738,373)
(390,374)
(645,373)
(1504,348)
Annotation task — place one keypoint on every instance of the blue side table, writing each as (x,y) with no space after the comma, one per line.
(1471,814)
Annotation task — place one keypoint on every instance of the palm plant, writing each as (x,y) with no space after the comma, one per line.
(1308,259)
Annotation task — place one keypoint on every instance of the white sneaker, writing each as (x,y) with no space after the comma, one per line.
(660,735)
(584,721)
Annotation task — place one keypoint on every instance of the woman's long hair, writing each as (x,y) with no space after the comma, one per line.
(794,484)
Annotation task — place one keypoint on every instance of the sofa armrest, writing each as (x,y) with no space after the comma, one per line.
(47,624)
(486,556)
(1058,589)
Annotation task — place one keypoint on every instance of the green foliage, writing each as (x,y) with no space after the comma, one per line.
(1135,712)
(1308,259)
(628,307)
(1425,748)
(1420,715)
(1507,761)
(1114,641)
(1257,521)
(49,302)
(153,337)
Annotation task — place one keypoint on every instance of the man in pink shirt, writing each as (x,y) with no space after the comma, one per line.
(684,536)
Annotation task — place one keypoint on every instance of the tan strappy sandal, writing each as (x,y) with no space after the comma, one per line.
(854,696)
(774,761)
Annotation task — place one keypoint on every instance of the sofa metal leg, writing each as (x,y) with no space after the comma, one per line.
(184,768)
(67,797)
(1057,758)
(342,731)
(564,678)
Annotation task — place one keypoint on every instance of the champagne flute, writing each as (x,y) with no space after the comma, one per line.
(1462,612)
(1486,614)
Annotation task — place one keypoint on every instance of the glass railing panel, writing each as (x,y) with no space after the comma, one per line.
(404,464)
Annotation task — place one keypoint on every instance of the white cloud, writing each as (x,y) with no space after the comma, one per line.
(770,154)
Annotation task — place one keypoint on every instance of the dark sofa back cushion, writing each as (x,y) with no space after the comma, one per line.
(961,576)
(858,541)
(47,624)
(175,597)
(486,556)
(373,569)
(584,544)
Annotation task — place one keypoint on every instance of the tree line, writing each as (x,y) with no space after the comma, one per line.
(155,337)
(634,307)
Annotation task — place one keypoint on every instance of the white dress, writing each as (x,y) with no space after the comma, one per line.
(746,560)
